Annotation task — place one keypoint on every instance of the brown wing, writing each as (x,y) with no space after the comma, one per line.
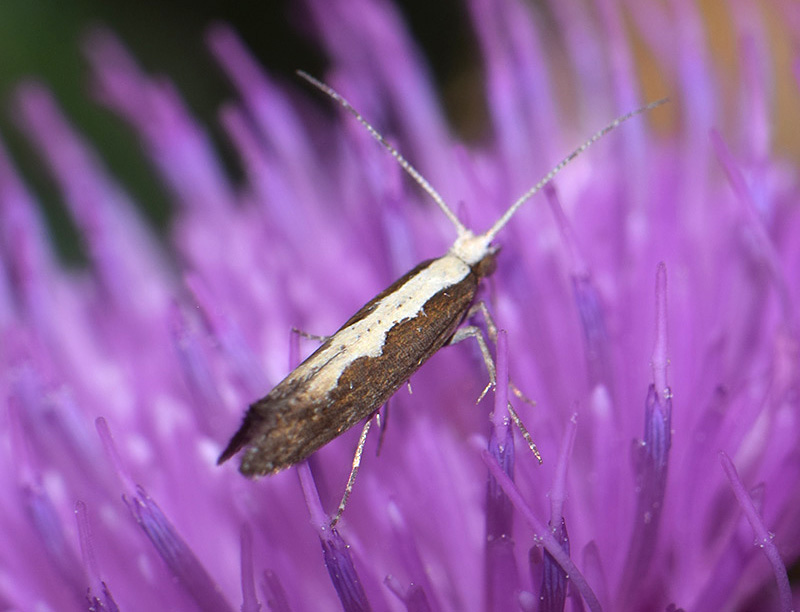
(290,423)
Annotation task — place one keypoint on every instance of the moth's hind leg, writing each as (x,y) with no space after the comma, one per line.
(307,336)
(362,440)
(472,331)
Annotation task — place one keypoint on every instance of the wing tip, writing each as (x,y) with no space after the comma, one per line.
(237,442)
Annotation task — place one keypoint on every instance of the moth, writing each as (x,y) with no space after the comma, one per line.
(355,371)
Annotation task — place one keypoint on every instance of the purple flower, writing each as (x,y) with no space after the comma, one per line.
(668,421)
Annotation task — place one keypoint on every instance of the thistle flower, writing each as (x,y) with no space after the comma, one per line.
(667,421)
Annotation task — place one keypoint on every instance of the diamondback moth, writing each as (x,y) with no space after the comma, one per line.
(352,374)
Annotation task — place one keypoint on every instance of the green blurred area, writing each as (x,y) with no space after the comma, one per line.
(42,39)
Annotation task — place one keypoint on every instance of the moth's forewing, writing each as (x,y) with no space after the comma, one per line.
(321,399)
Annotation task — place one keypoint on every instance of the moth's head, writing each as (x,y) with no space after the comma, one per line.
(471,249)
(477,252)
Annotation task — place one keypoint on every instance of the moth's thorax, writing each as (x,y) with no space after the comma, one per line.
(475,251)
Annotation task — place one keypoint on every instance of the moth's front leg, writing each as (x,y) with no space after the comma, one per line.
(472,331)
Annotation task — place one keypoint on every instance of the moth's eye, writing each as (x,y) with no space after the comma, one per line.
(487,265)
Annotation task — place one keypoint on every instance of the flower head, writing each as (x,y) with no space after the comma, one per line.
(667,420)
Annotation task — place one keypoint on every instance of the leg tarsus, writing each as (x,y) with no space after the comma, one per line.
(525,433)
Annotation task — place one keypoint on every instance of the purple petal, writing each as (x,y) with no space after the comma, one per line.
(180,560)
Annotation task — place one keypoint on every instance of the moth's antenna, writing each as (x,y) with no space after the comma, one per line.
(492,232)
(404,163)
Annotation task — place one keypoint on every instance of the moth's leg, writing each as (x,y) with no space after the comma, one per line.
(471,331)
(525,433)
(362,440)
(308,336)
(491,326)
(382,422)
(481,308)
